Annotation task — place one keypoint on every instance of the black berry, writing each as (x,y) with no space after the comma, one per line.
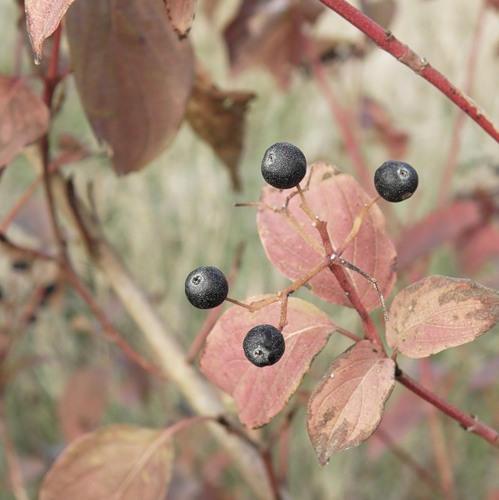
(395,180)
(206,287)
(284,165)
(264,345)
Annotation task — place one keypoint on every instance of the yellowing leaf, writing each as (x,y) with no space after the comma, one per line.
(42,18)
(120,462)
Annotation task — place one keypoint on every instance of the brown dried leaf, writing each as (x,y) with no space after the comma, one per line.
(270,34)
(24,117)
(133,74)
(217,116)
(437,228)
(439,312)
(120,461)
(261,393)
(181,14)
(83,403)
(42,19)
(347,405)
(337,199)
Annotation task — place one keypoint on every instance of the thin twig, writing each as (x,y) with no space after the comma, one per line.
(468,422)
(389,43)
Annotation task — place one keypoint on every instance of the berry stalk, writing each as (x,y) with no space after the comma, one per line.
(389,43)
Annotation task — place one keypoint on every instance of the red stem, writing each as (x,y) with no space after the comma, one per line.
(467,422)
(389,43)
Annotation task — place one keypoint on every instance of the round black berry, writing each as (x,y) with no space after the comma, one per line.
(264,345)
(284,165)
(396,180)
(206,287)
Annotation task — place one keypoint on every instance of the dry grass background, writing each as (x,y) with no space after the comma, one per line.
(177,214)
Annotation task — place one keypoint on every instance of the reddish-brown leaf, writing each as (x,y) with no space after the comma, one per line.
(42,18)
(477,246)
(217,116)
(133,74)
(120,461)
(436,229)
(337,199)
(82,405)
(261,393)
(181,14)
(347,405)
(373,115)
(270,34)
(23,117)
(439,312)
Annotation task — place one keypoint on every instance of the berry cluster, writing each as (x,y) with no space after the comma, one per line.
(284,166)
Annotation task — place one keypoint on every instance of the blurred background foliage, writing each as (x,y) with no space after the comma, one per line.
(177,214)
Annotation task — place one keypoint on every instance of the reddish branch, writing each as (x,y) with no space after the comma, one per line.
(389,43)
(468,422)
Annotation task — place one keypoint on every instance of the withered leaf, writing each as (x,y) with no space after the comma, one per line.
(439,312)
(120,461)
(42,19)
(181,14)
(133,74)
(270,35)
(347,405)
(217,116)
(24,117)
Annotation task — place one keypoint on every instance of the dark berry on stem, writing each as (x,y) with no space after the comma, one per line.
(284,165)
(206,287)
(395,180)
(264,345)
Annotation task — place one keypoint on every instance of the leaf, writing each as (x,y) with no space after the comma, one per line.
(181,14)
(477,246)
(437,313)
(83,403)
(374,115)
(133,74)
(42,19)
(347,405)
(437,228)
(261,393)
(119,462)
(337,199)
(24,117)
(217,116)
(270,34)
